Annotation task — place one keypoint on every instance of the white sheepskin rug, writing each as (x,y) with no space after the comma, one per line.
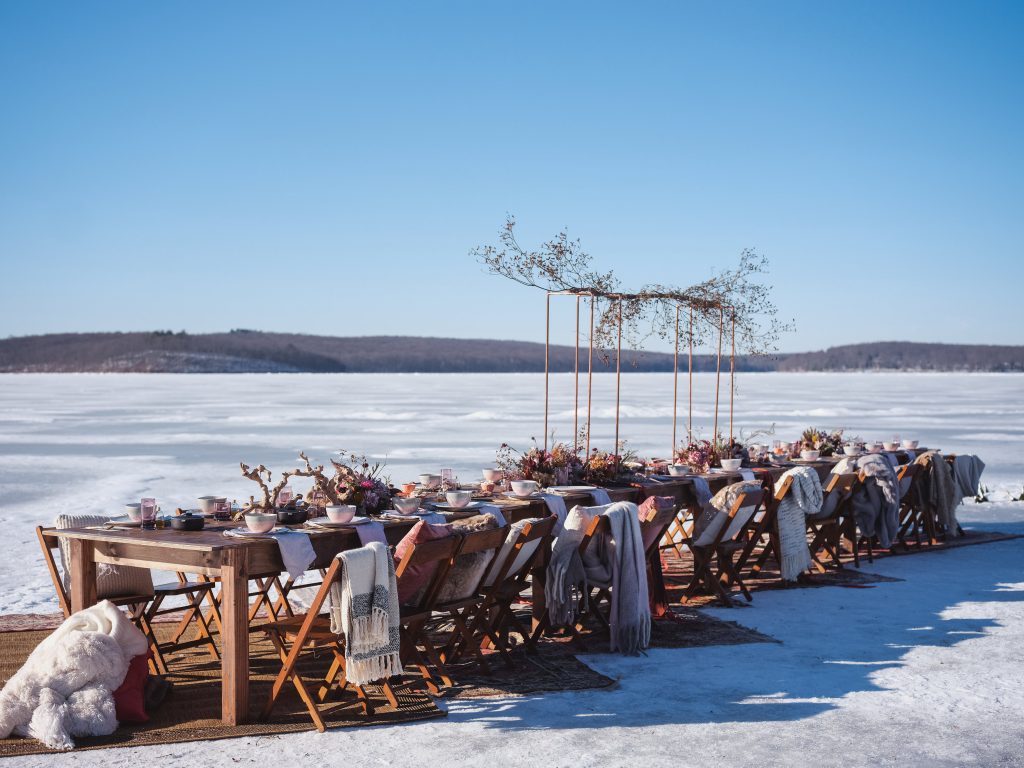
(65,688)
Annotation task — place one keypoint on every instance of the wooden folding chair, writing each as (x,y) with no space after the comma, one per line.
(458,607)
(914,518)
(717,544)
(143,609)
(827,528)
(417,648)
(291,635)
(762,530)
(494,618)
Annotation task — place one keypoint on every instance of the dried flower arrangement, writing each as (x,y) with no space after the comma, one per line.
(556,466)
(697,454)
(827,443)
(362,485)
(605,468)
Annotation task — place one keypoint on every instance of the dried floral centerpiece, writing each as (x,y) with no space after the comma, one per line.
(604,468)
(827,443)
(555,467)
(356,482)
(697,455)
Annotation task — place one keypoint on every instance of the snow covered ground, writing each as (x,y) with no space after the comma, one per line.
(924,671)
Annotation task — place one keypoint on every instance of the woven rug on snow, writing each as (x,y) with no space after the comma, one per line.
(191,711)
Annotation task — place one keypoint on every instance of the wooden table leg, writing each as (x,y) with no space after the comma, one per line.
(234,609)
(82,574)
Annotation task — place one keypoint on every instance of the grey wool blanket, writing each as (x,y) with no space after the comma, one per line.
(616,561)
(876,505)
(967,469)
(937,489)
(364,608)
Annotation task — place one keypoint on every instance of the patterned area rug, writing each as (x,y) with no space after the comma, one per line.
(191,711)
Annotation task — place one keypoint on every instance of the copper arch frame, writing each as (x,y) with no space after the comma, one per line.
(619,298)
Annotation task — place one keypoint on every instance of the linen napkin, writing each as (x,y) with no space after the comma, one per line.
(556,506)
(494,509)
(370,532)
(430,517)
(702,489)
(297,551)
(747,474)
(600,497)
(911,456)
(891,458)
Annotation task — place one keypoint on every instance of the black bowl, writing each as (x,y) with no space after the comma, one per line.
(187,522)
(292,516)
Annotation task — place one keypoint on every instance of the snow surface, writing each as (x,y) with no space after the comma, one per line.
(925,671)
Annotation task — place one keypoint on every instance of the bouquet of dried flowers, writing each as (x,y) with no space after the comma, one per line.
(696,454)
(548,468)
(606,468)
(827,443)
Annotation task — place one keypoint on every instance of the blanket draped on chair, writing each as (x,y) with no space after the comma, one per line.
(617,562)
(364,608)
(65,687)
(938,489)
(876,505)
(803,498)
(967,469)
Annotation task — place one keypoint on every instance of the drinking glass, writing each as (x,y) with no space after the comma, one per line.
(284,496)
(447,478)
(148,513)
(221,509)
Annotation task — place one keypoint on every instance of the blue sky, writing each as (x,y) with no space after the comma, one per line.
(326,167)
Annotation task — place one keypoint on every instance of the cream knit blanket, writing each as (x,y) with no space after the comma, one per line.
(803,498)
(364,608)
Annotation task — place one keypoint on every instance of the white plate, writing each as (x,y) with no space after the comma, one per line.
(324,523)
(450,508)
(511,495)
(571,489)
(124,522)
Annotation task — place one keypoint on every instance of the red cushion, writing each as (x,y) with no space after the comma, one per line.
(130,698)
(416,578)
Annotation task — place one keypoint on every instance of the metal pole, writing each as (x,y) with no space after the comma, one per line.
(718,378)
(675,388)
(590,370)
(689,418)
(576,400)
(732,374)
(618,372)
(547,355)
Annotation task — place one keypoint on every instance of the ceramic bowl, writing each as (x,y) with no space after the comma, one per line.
(524,488)
(731,465)
(493,475)
(134,511)
(810,455)
(260,522)
(874,448)
(430,481)
(206,504)
(891,446)
(459,499)
(851,450)
(677,469)
(910,444)
(406,506)
(340,513)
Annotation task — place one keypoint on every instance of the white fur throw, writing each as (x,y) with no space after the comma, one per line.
(65,688)
(364,608)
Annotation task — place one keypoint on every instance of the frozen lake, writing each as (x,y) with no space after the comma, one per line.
(90,442)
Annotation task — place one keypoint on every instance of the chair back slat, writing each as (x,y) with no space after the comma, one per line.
(516,560)
(725,525)
(439,553)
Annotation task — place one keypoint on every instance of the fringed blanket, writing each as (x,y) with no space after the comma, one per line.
(364,608)
(967,469)
(803,498)
(616,562)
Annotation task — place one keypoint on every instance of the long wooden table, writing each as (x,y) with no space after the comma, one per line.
(210,553)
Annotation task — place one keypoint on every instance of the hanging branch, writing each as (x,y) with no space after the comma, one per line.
(561,264)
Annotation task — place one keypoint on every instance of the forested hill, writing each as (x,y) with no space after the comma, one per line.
(242,351)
